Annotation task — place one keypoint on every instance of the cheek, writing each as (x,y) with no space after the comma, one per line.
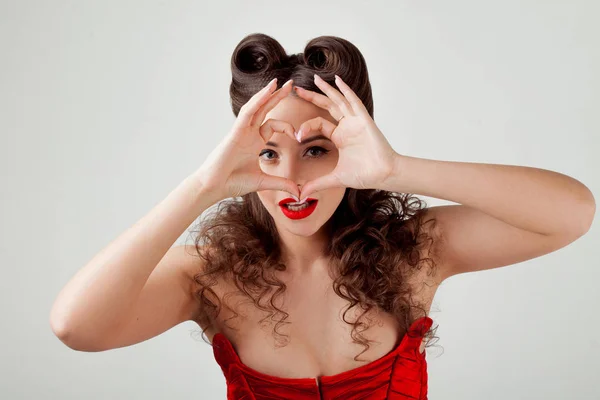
(266,198)
(320,167)
(333,198)
(270,201)
(331,161)
(271,169)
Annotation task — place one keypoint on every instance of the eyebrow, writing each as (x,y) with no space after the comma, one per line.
(304,141)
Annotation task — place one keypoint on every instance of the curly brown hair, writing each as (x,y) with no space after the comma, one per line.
(376,236)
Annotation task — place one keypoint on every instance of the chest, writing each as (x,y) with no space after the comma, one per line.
(315,338)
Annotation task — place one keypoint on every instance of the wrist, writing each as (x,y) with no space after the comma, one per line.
(392,182)
(201,191)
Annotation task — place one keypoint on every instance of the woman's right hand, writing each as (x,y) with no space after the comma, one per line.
(232,169)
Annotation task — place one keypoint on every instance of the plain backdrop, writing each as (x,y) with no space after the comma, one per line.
(105,106)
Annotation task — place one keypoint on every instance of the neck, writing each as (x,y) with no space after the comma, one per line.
(303,254)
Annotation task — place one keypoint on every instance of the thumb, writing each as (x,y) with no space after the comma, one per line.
(270,182)
(321,183)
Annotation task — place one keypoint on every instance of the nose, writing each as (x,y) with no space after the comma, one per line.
(290,169)
(292,172)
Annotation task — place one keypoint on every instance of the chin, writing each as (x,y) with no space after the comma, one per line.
(305,230)
(298,227)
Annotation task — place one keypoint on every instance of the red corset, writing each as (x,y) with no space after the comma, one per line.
(399,375)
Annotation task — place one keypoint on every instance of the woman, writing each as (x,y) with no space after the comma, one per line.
(326,235)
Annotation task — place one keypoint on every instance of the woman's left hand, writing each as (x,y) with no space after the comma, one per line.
(366,159)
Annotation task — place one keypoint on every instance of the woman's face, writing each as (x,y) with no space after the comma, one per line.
(301,163)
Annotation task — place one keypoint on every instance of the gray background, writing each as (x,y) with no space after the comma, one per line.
(106,106)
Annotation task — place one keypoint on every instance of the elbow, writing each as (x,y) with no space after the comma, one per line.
(58,324)
(62,332)
(588,217)
(66,334)
(590,210)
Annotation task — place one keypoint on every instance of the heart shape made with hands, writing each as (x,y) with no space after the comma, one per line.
(366,159)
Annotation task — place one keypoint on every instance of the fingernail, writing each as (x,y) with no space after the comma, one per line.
(298,135)
(303,199)
(295,198)
(317,77)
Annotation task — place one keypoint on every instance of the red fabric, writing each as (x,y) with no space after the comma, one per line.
(399,375)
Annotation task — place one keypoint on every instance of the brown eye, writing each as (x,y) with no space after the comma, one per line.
(312,152)
(266,151)
(320,151)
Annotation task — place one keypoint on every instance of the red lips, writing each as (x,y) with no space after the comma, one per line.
(290,200)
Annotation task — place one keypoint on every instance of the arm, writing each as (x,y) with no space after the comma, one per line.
(102,299)
(507,214)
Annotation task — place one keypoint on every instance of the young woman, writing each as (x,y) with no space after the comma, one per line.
(321,230)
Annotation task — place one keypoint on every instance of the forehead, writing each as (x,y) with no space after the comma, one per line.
(295,110)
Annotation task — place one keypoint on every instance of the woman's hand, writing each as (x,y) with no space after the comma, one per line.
(232,169)
(366,158)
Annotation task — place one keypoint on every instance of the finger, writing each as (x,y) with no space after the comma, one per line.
(270,182)
(320,124)
(275,98)
(324,182)
(334,95)
(355,102)
(272,126)
(249,108)
(319,100)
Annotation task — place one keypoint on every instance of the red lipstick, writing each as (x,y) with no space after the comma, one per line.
(298,214)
